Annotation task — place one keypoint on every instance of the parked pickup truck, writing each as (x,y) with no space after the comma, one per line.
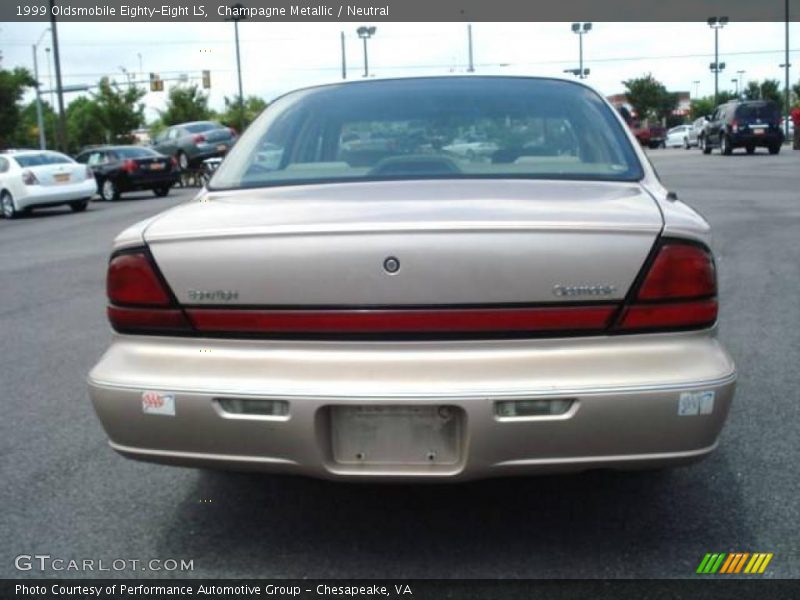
(652,136)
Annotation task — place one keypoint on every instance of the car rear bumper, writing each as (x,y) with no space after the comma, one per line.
(625,394)
(39,195)
(750,139)
(146,182)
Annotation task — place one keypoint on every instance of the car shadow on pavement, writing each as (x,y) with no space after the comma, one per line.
(594,524)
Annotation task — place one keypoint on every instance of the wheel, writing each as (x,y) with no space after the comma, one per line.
(725,145)
(750,149)
(7,205)
(686,145)
(109,191)
(703,145)
(775,148)
(161,191)
(183,161)
(79,205)
(662,145)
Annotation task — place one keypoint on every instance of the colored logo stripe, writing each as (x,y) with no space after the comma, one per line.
(734,563)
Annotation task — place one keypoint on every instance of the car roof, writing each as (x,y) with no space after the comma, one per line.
(28,152)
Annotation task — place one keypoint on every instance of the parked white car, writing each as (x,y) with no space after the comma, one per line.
(39,178)
(679,137)
(695,132)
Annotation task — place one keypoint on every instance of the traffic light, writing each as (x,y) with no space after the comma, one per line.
(206,79)
(156,83)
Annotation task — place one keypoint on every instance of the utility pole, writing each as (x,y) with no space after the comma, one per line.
(365,33)
(39,119)
(786,68)
(471,67)
(237,10)
(717,23)
(344,58)
(61,130)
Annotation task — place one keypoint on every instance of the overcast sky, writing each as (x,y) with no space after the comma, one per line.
(278,57)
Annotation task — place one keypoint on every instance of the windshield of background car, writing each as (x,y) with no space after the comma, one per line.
(40,159)
(123,153)
(201,127)
(453,128)
(766,112)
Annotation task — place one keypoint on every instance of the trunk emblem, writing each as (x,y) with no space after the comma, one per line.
(391,265)
(584,290)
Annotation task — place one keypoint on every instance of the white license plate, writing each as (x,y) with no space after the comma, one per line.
(61,177)
(396,435)
(156,167)
(759,131)
(221,148)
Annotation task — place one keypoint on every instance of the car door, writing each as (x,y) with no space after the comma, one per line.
(713,127)
(168,143)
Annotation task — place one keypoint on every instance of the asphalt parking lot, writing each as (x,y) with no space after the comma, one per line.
(66,494)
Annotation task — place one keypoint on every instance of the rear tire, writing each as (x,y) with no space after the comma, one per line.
(703,144)
(725,145)
(109,191)
(7,206)
(183,161)
(686,145)
(750,149)
(79,205)
(161,191)
(774,149)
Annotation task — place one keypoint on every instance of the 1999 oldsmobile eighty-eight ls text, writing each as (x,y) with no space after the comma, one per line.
(350,300)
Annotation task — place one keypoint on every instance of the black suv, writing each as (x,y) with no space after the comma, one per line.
(743,124)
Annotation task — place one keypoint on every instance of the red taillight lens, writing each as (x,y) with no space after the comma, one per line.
(234,133)
(131,279)
(139,299)
(735,125)
(679,271)
(173,161)
(678,291)
(199,138)
(28,178)
(129,165)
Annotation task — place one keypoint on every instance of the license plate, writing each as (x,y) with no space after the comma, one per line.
(221,148)
(396,435)
(156,166)
(61,177)
(758,131)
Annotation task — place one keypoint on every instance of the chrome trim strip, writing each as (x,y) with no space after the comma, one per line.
(201,455)
(466,394)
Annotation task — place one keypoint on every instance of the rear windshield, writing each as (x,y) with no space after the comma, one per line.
(765,112)
(134,152)
(41,158)
(454,128)
(200,127)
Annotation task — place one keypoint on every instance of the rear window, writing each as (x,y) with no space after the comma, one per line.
(767,111)
(453,128)
(134,152)
(200,127)
(41,158)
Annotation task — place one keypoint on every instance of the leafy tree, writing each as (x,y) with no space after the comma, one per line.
(253,106)
(796,94)
(27,133)
(118,109)
(701,107)
(12,87)
(186,103)
(83,125)
(771,90)
(649,98)
(752,91)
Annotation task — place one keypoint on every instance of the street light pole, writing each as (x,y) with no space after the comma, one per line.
(238,10)
(581,29)
(471,67)
(739,74)
(61,131)
(365,33)
(717,23)
(344,58)
(786,72)
(39,119)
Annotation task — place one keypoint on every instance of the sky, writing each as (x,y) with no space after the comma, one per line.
(279,57)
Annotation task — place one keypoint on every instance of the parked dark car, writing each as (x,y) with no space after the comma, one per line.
(191,143)
(120,169)
(743,124)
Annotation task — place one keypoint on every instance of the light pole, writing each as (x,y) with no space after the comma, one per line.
(696,83)
(365,33)
(717,23)
(39,119)
(580,29)
(238,10)
(786,66)
(61,130)
(344,57)
(471,67)
(736,81)
(739,74)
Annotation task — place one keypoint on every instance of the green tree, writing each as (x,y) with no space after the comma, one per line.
(83,124)
(253,106)
(649,98)
(27,133)
(119,109)
(12,87)
(771,90)
(701,107)
(752,91)
(186,103)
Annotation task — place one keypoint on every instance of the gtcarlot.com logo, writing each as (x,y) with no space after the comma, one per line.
(46,562)
(734,563)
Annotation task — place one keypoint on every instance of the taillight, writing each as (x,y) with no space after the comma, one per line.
(89,174)
(678,291)
(139,299)
(735,126)
(199,138)
(28,178)
(129,165)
